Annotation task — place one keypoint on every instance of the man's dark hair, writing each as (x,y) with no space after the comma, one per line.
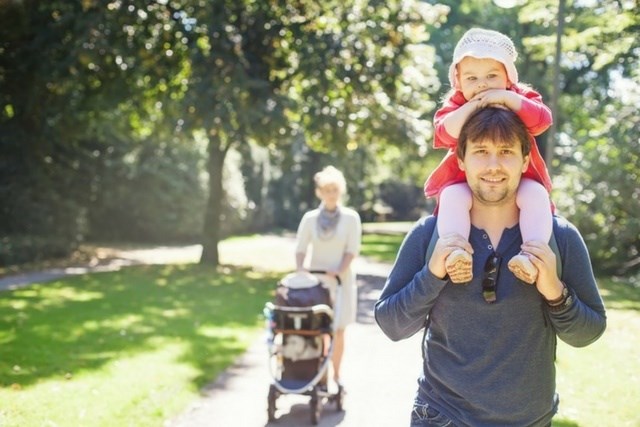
(493,124)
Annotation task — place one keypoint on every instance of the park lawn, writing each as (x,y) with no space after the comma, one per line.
(599,385)
(381,247)
(132,347)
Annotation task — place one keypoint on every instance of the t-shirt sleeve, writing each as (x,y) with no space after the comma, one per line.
(303,236)
(354,231)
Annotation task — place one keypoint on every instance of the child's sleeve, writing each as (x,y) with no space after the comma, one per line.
(442,138)
(535,115)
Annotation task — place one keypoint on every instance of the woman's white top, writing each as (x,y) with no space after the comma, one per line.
(326,253)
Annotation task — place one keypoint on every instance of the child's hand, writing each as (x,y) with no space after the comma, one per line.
(500,98)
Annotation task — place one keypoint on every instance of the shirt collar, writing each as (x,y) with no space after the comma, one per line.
(509,242)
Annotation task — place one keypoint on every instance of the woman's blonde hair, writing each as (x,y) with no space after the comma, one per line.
(330,175)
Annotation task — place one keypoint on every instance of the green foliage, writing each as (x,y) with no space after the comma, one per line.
(406,200)
(19,249)
(596,157)
(69,72)
(332,74)
(152,193)
(114,115)
(364,74)
(600,189)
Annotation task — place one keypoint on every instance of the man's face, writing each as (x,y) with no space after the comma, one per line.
(493,170)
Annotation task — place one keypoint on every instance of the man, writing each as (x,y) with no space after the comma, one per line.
(489,346)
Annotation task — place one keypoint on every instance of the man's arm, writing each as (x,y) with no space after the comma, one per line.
(583,320)
(411,289)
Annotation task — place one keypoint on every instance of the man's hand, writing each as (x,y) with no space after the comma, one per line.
(443,248)
(543,258)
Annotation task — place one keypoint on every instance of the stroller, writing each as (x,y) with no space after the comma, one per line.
(300,332)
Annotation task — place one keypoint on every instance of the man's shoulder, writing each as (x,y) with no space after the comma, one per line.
(564,231)
(425,224)
(562,224)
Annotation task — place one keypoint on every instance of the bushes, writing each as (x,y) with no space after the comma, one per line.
(40,217)
(26,248)
(155,195)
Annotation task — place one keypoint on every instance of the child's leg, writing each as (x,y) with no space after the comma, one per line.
(535,211)
(454,205)
(536,223)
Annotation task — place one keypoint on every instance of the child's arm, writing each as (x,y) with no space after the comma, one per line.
(452,122)
(442,138)
(526,103)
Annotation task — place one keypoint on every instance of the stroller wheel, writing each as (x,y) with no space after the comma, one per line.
(316,406)
(339,396)
(271,403)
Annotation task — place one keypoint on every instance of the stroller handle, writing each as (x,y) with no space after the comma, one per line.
(325,272)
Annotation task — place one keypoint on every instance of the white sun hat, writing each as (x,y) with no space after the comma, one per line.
(480,43)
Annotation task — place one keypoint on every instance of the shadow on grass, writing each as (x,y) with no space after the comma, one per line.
(81,323)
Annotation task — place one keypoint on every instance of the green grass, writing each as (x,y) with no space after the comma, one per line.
(126,348)
(134,347)
(381,247)
(599,385)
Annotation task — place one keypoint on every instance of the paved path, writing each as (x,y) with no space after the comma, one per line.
(379,375)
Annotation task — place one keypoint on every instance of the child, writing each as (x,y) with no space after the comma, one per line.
(483,73)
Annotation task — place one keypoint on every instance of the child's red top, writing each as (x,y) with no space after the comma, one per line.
(535,115)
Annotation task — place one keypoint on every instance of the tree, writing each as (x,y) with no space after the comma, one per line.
(335,72)
(599,56)
(73,75)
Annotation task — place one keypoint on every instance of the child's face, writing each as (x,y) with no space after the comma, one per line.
(475,75)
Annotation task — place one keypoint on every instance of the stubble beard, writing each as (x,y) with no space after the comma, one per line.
(494,198)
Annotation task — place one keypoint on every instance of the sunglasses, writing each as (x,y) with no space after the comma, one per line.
(490,279)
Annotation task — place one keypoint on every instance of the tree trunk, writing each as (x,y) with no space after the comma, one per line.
(211,232)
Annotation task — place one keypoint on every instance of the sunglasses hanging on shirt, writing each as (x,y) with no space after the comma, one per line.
(490,279)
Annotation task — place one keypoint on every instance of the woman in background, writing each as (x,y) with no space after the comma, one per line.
(333,233)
